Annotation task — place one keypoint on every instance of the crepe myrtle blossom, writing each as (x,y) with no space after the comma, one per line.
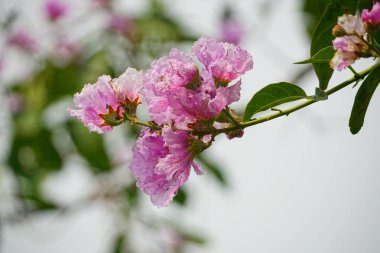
(203,103)
(55,9)
(97,104)
(226,62)
(349,25)
(119,23)
(349,48)
(105,104)
(184,103)
(372,17)
(161,163)
(178,92)
(128,89)
(352,39)
(231,31)
(168,76)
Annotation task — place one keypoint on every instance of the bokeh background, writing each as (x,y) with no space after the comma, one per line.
(301,183)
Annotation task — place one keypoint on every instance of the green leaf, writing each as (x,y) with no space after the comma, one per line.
(194,238)
(131,194)
(322,36)
(362,99)
(213,168)
(365,4)
(118,244)
(33,153)
(312,12)
(377,38)
(273,95)
(322,56)
(90,146)
(181,197)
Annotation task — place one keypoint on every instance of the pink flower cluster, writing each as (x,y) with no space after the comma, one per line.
(102,105)
(161,163)
(182,99)
(178,92)
(352,40)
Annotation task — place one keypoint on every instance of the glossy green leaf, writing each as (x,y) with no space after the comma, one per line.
(322,56)
(273,95)
(322,36)
(362,99)
(312,11)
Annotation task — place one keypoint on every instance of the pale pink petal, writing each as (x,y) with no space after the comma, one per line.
(129,85)
(93,101)
(372,17)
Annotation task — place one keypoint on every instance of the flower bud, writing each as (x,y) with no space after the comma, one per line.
(338,31)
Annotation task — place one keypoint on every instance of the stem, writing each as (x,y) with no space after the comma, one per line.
(135,121)
(353,70)
(226,112)
(286,112)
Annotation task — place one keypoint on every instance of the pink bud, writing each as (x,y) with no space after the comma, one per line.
(372,17)
(22,40)
(119,24)
(55,9)
(231,31)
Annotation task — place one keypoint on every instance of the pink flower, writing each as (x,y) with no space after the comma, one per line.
(349,48)
(205,102)
(97,106)
(22,40)
(161,164)
(177,93)
(128,86)
(349,44)
(67,48)
(224,61)
(166,77)
(372,17)
(55,9)
(342,59)
(231,31)
(120,24)
(352,25)
(102,2)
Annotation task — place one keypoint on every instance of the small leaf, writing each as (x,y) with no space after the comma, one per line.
(273,95)
(213,168)
(322,56)
(194,238)
(322,36)
(362,99)
(118,244)
(181,197)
